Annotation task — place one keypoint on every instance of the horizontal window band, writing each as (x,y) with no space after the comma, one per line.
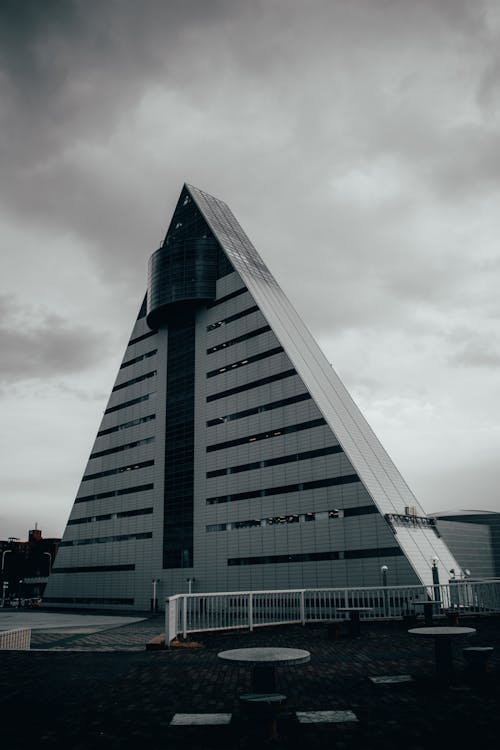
(120,470)
(360,510)
(352,554)
(307,517)
(227,297)
(134,381)
(255,523)
(115,493)
(284,490)
(253,384)
(259,409)
(140,358)
(94,569)
(111,516)
(106,539)
(239,339)
(231,318)
(333,449)
(266,435)
(126,425)
(141,338)
(119,448)
(246,361)
(135,512)
(133,402)
(86,600)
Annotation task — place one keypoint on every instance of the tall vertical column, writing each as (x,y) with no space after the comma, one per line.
(179,444)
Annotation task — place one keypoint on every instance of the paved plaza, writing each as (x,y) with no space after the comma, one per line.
(43,620)
(79,690)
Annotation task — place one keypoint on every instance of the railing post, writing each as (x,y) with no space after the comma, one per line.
(302,608)
(250,611)
(184,616)
(171,606)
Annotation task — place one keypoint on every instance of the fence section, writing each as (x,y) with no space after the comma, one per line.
(19,638)
(189,613)
(194,613)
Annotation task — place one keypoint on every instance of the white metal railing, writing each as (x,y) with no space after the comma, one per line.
(194,613)
(18,638)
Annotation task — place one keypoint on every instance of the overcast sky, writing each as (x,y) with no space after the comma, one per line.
(358,144)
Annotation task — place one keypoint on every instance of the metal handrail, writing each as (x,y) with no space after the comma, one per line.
(230,610)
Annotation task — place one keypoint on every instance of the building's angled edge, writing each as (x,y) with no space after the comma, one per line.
(419,542)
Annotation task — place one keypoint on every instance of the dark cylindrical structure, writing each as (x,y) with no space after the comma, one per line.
(182,273)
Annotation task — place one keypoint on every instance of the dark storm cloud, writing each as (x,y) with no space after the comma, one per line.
(75,72)
(37,345)
(246,95)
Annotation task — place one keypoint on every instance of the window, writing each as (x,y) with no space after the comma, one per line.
(139,379)
(254,384)
(265,435)
(120,448)
(138,359)
(231,318)
(275,461)
(285,489)
(141,338)
(110,472)
(242,362)
(115,493)
(134,401)
(238,339)
(227,297)
(126,425)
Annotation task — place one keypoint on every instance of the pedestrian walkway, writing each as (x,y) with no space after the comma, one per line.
(112,635)
(104,690)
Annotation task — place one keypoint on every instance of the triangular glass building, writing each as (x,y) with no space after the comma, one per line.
(230,455)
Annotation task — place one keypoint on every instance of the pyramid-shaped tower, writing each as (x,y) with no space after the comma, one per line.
(230,455)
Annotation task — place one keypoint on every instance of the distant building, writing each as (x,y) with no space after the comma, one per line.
(474,538)
(230,455)
(26,566)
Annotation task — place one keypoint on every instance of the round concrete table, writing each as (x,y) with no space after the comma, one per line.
(264,660)
(443,637)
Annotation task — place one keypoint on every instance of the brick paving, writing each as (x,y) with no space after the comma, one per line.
(130,637)
(104,690)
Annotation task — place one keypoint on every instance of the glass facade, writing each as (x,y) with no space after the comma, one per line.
(179,445)
(186,267)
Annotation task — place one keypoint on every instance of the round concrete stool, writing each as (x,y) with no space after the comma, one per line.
(263,709)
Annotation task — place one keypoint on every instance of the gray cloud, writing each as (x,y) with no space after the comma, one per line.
(37,345)
(474,348)
(75,75)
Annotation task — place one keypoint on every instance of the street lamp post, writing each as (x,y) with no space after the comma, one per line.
(154,603)
(384,570)
(5,552)
(435,579)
